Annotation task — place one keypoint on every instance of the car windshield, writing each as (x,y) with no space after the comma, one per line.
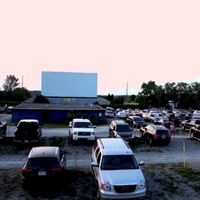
(118,162)
(82,125)
(42,162)
(123,128)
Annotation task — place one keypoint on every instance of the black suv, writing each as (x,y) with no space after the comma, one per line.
(27,131)
(119,128)
(44,163)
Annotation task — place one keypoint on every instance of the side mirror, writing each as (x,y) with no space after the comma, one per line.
(94,164)
(141,163)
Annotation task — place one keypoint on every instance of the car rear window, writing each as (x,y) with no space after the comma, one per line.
(123,128)
(43,162)
(23,126)
(161,132)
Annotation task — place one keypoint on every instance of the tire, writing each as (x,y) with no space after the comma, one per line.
(191,135)
(151,141)
(98,195)
(183,127)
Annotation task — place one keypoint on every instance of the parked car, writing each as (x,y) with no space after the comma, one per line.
(81,129)
(179,118)
(110,113)
(190,123)
(44,163)
(194,132)
(121,129)
(155,134)
(3,129)
(28,131)
(169,114)
(135,121)
(196,114)
(164,122)
(117,173)
(122,114)
(153,117)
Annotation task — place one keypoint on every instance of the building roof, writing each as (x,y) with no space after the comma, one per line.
(73,100)
(45,106)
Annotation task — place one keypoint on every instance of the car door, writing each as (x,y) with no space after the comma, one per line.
(96,158)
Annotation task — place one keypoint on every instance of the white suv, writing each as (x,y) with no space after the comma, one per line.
(116,172)
(81,129)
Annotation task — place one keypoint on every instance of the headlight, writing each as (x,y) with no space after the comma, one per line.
(75,133)
(92,133)
(106,186)
(142,184)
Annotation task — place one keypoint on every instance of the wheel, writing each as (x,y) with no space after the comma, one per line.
(98,195)
(191,135)
(151,141)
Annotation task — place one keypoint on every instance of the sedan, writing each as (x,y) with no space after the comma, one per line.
(155,134)
(135,121)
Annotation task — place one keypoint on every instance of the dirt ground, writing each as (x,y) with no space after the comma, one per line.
(165,181)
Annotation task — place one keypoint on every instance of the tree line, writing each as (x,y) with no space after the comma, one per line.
(183,95)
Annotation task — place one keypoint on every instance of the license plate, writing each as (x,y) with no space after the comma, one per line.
(42,173)
(163,137)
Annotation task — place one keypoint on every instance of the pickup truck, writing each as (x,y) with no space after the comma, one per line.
(3,129)
(194,132)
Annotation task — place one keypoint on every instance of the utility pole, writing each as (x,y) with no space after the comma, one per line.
(127,88)
(22,80)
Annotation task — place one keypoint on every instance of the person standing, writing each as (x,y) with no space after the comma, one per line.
(172,128)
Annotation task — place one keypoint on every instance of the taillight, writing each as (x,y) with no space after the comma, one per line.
(58,169)
(26,170)
(156,135)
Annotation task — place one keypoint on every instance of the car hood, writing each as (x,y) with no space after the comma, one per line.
(83,129)
(122,177)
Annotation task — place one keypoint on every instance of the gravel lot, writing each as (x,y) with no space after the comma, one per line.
(172,172)
(168,176)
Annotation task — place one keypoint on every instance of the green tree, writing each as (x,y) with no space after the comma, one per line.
(41,99)
(11,82)
(149,90)
(20,94)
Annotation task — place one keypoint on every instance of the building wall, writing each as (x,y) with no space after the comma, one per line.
(69,84)
(54,116)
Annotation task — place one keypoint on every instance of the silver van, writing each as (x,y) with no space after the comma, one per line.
(116,172)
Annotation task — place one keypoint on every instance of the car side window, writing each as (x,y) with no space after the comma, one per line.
(98,157)
(97,152)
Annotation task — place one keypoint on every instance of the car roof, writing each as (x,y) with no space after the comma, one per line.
(158,127)
(114,146)
(81,120)
(118,121)
(29,120)
(46,151)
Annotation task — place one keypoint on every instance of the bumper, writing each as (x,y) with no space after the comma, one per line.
(89,138)
(25,141)
(113,195)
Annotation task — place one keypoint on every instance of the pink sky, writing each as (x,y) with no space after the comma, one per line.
(126,40)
